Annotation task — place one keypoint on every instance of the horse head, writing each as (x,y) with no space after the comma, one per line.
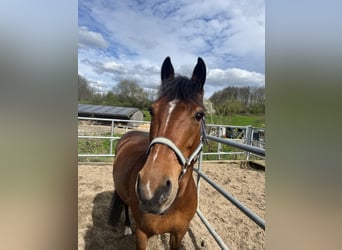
(175,138)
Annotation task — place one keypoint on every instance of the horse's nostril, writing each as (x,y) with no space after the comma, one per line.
(168,187)
(165,191)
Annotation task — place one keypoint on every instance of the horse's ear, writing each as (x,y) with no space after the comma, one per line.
(167,70)
(200,72)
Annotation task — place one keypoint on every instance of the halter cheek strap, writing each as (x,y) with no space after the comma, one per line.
(170,144)
(186,162)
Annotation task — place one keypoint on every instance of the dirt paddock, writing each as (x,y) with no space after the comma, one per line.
(95,189)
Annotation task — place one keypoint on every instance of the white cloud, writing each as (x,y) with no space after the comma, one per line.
(228,35)
(234,76)
(114,67)
(148,75)
(218,79)
(90,38)
(99,86)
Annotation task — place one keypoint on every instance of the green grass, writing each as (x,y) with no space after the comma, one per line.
(237,120)
(93,146)
(147,115)
(96,146)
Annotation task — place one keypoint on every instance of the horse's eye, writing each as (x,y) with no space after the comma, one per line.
(199,115)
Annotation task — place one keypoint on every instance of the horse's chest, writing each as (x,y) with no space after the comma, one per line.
(158,224)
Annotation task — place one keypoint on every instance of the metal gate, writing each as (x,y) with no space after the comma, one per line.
(251,149)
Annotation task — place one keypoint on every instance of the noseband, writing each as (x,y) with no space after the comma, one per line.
(186,162)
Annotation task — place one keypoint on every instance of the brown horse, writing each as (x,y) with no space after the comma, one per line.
(153,172)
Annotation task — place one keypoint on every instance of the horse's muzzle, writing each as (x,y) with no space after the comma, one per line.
(153,201)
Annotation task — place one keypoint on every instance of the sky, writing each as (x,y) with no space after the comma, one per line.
(119,40)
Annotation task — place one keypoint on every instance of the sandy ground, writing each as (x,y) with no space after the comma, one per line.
(237,230)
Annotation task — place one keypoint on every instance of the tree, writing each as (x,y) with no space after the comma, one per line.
(239,100)
(85,92)
(126,93)
(110,99)
(129,93)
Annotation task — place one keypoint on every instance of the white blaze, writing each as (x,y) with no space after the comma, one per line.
(172,106)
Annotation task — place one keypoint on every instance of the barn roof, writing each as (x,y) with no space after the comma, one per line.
(122,112)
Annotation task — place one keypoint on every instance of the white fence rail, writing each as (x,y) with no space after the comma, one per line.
(239,135)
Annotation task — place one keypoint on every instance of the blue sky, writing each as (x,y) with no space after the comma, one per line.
(130,39)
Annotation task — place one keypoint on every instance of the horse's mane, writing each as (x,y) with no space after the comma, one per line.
(181,88)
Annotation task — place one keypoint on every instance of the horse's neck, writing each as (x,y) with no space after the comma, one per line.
(185,180)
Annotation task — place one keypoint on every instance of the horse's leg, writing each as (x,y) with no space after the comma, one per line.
(141,240)
(115,210)
(128,229)
(176,239)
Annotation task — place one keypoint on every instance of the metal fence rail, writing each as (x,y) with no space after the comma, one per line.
(239,137)
(260,222)
(252,149)
(206,223)
(233,200)
(111,138)
(218,130)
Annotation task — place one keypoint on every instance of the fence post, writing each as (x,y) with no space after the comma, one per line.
(199,167)
(219,146)
(249,134)
(111,140)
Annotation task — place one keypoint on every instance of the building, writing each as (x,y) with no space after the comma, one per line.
(110,112)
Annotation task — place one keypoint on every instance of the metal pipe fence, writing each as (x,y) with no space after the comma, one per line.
(114,123)
(240,135)
(248,148)
(252,149)
(247,136)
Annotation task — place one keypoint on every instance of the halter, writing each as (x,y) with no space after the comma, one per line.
(186,162)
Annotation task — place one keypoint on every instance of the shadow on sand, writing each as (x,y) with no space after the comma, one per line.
(101,235)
